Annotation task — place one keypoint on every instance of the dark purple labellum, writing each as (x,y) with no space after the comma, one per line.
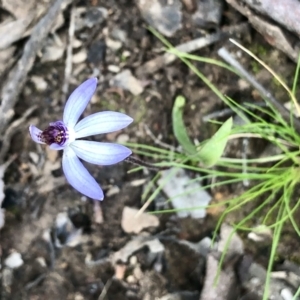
(56,133)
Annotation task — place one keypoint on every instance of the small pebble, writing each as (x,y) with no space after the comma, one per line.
(78,296)
(133,260)
(41,261)
(76,43)
(114,190)
(122,138)
(112,44)
(113,68)
(126,54)
(53,53)
(14,260)
(286,294)
(79,57)
(119,34)
(131,279)
(39,83)
(165,16)
(34,157)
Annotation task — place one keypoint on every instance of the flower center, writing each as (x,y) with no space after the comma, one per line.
(56,133)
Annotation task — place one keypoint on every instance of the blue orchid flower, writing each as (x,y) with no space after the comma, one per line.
(64,135)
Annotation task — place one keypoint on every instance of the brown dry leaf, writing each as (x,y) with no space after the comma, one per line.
(120,271)
(217,210)
(131,223)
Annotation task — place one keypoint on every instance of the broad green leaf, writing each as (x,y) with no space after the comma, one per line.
(179,127)
(212,150)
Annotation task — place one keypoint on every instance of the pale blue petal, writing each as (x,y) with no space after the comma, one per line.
(35,134)
(79,177)
(101,122)
(100,153)
(78,101)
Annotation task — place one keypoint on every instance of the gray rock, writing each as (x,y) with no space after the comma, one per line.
(209,13)
(165,16)
(191,194)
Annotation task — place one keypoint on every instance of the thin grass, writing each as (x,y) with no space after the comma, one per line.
(272,186)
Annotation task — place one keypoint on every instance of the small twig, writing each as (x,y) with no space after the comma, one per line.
(155,64)
(12,130)
(246,181)
(228,111)
(68,66)
(156,140)
(35,282)
(139,162)
(105,289)
(98,214)
(144,207)
(47,238)
(17,77)
(265,93)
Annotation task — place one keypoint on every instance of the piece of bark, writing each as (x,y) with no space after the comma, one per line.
(274,35)
(285,12)
(14,30)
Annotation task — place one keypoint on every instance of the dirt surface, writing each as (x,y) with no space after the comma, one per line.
(71,247)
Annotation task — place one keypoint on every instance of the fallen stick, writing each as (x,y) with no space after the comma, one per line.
(69,56)
(17,77)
